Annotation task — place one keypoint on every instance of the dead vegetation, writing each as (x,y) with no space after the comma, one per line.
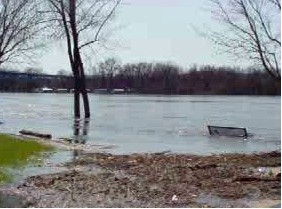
(160,180)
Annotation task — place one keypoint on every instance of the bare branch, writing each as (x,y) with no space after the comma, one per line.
(250,31)
(263,24)
(19,28)
(101,26)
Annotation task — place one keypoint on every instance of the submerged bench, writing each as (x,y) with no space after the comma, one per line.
(227,131)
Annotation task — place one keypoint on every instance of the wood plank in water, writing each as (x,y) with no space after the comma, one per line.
(36,134)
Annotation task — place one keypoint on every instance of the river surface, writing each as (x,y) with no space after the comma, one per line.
(134,123)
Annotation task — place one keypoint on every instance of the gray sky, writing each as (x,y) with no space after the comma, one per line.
(154,30)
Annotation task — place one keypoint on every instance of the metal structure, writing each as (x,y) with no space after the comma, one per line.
(227,131)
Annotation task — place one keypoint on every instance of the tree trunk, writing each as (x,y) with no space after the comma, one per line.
(84,94)
(76,97)
(83,90)
(80,88)
(78,69)
(86,104)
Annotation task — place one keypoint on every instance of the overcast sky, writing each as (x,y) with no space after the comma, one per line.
(151,31)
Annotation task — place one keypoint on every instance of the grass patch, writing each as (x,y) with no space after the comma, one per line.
(15,152)
(4,177)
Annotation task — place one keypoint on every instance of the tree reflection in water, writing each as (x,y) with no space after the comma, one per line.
(78,138)
(80,133)
(80,125)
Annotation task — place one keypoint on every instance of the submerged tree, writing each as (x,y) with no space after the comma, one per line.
(253,31)
(82,23)
(19,27)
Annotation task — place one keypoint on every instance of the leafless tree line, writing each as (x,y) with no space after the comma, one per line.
(154,78)
(170,78)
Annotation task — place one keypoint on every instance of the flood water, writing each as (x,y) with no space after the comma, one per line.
(134,123)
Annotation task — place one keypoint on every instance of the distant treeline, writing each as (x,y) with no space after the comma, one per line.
(158,78)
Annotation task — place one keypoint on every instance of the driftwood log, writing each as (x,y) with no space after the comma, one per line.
(36,134)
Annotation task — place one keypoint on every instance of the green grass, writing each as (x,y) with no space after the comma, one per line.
(16,153)
(4,177)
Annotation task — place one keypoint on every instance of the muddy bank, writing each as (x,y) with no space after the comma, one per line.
(157,180)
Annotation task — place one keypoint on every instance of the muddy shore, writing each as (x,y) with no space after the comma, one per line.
(156,180)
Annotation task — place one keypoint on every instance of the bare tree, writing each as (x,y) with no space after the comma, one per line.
(253,31)
(110,67)
(19,27)
(82,23)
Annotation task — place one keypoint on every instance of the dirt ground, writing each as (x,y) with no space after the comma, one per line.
(157,180)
